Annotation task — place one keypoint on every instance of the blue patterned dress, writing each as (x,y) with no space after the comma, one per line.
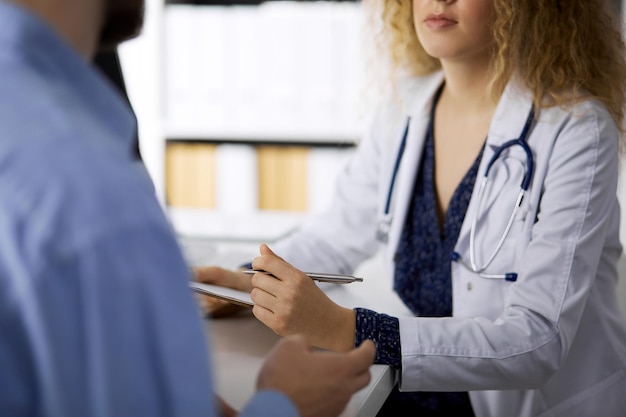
(423,281)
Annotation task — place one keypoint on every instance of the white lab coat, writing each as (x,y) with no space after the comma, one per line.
(553,343)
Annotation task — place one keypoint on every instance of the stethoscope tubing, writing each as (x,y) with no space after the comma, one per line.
(525,184)
(522,142)
(384,225)
(396,166)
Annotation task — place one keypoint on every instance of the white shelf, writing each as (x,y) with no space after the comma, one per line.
(259,226)
(309,136)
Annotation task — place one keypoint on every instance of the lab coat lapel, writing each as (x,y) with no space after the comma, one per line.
(419,111)
(406,176)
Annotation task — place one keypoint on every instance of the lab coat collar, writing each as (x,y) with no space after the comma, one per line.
(419,94)
(510,115)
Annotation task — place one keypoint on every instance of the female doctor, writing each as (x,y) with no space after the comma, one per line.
(490,179)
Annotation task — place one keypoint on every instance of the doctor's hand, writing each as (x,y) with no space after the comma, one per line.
(289,302)
(223,277)
(318,383)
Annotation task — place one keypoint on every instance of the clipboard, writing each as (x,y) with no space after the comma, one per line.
(241,298)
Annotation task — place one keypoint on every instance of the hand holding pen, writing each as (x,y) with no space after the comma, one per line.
(287,301)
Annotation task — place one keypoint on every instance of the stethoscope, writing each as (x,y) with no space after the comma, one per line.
(384,224)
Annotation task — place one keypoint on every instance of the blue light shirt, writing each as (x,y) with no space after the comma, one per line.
(96,317)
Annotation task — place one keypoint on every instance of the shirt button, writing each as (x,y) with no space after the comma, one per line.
(469,286)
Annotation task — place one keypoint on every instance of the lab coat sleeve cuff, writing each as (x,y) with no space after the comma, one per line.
(411,378)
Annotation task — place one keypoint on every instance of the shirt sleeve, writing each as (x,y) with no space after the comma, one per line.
(269,402)
(384,331)
(133,333)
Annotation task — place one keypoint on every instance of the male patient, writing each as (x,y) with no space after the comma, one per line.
(96,317)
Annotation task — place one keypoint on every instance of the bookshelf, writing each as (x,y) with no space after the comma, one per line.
(271,87)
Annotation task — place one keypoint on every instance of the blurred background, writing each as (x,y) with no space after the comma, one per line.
(247,105)
(248,110)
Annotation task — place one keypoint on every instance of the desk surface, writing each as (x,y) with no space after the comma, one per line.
(239,347)
(240,344)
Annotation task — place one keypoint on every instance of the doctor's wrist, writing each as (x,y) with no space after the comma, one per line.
(339,332)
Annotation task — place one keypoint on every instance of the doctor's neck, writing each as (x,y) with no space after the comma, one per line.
(467,86)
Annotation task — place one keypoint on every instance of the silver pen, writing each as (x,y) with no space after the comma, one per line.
(321,277)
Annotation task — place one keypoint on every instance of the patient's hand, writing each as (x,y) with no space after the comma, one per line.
(223,277)
(225,409)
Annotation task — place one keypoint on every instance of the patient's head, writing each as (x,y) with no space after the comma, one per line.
(123,20)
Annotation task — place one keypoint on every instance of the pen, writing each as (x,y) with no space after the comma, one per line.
(334,278)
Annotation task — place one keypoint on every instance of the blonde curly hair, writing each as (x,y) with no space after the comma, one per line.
(564,51)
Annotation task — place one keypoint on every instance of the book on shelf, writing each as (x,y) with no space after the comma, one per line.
(241,178)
